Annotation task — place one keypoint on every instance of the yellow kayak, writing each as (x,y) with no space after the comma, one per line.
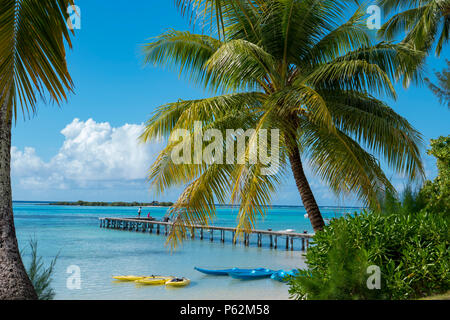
(155,280)
(178,282)
(128,278)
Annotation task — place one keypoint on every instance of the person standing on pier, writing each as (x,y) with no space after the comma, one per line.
(139,212)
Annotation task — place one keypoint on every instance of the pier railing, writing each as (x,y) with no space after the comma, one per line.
(285,239)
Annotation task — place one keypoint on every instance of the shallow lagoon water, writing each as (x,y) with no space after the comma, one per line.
(74,235)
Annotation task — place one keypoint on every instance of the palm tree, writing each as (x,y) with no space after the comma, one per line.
(424,21)
(32,62)
(287,65)
(442,88)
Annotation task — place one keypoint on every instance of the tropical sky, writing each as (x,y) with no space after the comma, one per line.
(88,149)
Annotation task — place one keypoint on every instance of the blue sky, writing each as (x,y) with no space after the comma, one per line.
(83,150)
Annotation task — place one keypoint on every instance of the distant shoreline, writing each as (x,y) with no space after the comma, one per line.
(112,204)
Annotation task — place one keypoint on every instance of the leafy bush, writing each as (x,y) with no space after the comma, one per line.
(436,193)
(412,251)
(40,276)
(342,278)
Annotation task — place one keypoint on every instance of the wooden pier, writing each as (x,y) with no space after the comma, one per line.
(276,239)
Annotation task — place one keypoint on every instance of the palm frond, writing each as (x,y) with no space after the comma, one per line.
(343,164)
(422,22)
(377,127)
(183,51)
(32,53)
(183,114)
(241,65)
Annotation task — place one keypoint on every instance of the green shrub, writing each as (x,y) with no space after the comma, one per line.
(40,276)
(436,193)
(412,251)
(342,277)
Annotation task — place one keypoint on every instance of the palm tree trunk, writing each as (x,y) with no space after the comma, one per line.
(309,202)
(14,281)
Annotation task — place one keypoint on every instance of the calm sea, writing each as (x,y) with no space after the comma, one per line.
(74,235)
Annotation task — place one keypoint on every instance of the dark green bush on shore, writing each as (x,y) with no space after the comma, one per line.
(411,250)
(112,204)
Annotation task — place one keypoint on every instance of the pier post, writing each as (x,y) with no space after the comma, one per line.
(292,243)
(303,244)
(271,240)
(259,240)
(211,231)
(276,242)
(222,235)
(157,229)
(287,242)
(192,233)
(201,233)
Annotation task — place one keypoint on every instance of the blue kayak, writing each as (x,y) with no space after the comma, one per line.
(225,272)
(282,275)
(251,275)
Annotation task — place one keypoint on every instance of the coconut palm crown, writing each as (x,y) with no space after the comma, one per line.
(425,22)
(302,67)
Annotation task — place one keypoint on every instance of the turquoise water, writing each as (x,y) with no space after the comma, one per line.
(73,233)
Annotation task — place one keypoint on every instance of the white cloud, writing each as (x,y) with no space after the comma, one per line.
(93,154)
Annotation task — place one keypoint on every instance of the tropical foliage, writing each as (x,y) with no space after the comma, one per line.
(33,35)
(436,194)
(411,250)
(41,276)
(300,66)
(425,22)
(442,88)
